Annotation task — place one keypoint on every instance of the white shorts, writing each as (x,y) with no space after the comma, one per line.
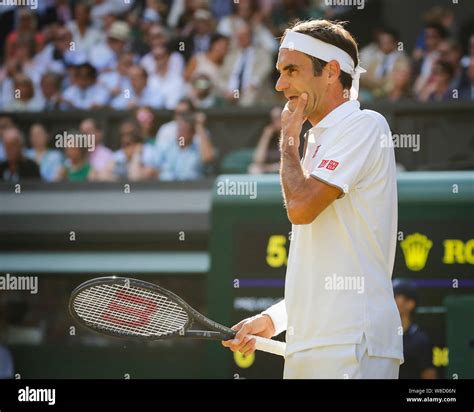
(340,362)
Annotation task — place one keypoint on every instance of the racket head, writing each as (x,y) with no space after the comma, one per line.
(129,308)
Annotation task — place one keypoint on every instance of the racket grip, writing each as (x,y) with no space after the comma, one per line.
(269,345)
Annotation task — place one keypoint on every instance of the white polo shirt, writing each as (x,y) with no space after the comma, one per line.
(338,282)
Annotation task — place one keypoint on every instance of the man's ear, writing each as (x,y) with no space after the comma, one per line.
(333,71)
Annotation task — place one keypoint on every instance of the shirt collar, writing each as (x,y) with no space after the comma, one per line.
(338,114)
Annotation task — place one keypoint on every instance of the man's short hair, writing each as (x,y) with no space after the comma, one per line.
(332,33)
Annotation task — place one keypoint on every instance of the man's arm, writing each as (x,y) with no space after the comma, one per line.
(305,197)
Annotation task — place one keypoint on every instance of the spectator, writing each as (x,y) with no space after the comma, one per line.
(25,98)
(133,161)
(159,36)
(7,74)
(246,11)
(76,167)
(198,33)
(25,32)
(209,63)
(5,123)
(169,130)
(6,363)
(86,93)
(202,93)
(467,92)
(85,36)
(146,119)
(450,52)
(247,70)
(51,98)
(401,84)
(185,157)
(465,61)
(117,81)
(434,34)
(417,347)
(164,80)
(103,56)
(438,87)
(100,157)
(48,160)
(142,93)
(266,158)
(16,166)
(378,78)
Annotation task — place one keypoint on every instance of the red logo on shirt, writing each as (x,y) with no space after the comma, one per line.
(332,165)
(323,163)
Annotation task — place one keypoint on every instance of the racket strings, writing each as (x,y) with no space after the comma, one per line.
(129,310)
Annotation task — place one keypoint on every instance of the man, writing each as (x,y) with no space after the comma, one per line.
(339,311)
(417,346)
(16,166)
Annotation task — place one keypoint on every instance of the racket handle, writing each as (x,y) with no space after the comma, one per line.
(269,345)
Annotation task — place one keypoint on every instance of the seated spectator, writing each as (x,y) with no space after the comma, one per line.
(51,98)
(24,98)
(467,92)
(100,157)
(379,73)
(247,11)
(164,80)
(134,161)
(450,52)
(86,93)
(49,161)
(266,158)
(159,36)
(465,61)
(104,56)
(400,84)
(434,34)
(16,167)
(438,87)
(202,92)
(84,35)
(117,81)
(185,157)
(247,70)
(169,130)
(209,63)
(142,93)
(148,124)
(26,30)
(5,123)
(417,346)
(198,33)
(76,167)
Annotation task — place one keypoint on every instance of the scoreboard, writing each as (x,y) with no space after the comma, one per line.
(250,238)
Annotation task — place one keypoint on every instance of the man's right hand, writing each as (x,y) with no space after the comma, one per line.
(260,325)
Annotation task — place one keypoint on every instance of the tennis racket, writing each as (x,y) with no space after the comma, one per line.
(131,308)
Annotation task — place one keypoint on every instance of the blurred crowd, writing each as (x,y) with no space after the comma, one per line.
(187,56)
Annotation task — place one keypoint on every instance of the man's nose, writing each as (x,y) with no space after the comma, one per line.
(281,84)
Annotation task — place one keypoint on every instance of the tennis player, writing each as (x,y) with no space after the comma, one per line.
(339,311)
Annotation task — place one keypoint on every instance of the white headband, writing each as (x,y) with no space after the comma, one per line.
(327,52)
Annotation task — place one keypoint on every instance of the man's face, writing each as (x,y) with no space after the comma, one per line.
(296,77)
(387,43)
(405,305)
(432,38)
(13,145)
(84,80)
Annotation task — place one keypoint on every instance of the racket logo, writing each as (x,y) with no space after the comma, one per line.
(129,310)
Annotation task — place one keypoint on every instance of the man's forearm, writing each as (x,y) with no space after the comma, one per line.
(292,175)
